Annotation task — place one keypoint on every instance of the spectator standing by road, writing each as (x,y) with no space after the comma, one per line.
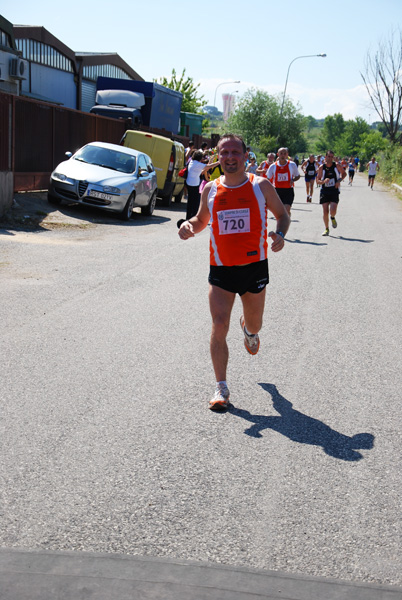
(196,168)
(252,166)
(188,152)
(283,173)
(236,206)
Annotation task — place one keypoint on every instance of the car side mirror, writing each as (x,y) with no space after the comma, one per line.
(143,173)
(68,154)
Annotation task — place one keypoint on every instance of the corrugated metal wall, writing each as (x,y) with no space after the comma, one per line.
(88,95)
(5,132)
(35,136)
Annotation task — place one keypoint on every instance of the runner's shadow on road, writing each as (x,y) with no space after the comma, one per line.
(304,242)
(304,429)
(345,239)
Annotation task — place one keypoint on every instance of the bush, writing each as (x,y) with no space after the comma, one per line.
(391,164)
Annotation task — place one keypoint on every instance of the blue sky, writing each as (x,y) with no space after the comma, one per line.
(221,42)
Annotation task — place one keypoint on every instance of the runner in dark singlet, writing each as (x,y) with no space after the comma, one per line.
(329,176)
(310,168)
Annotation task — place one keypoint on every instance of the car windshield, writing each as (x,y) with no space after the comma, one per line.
(105,157)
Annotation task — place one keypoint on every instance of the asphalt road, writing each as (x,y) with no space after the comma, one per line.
(107,444)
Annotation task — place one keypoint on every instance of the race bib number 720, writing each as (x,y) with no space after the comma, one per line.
(234,221)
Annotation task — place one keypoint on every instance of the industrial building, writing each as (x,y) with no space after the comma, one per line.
(36,64)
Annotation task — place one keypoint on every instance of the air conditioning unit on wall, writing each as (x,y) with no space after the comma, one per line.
(18,68)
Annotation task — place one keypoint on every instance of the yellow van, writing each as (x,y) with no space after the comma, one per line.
(167,157)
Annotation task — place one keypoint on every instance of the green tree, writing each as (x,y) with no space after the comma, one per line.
(333,128)
(267,144)
(371,144)
(192,102)
(310,123)
(348,142)
(257,117)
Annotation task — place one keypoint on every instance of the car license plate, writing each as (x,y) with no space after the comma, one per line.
(100,195)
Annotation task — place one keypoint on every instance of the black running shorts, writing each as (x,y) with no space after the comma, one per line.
(287,195)
(251,278)
(329,197)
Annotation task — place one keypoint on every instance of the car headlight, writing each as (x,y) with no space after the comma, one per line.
(63,178)
(111,190)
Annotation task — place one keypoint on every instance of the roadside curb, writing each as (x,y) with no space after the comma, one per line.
(45,575)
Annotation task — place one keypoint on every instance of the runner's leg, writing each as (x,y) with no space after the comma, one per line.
(253,310)
(325,214)
(220,304)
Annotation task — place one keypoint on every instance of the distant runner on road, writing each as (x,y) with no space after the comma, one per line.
(283,173)
(309,168)
(372,167)
(329,176)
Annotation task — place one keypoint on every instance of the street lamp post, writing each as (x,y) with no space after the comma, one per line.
(286,84)
(223,83)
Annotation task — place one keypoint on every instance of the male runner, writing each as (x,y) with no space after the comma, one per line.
(372,167)
(264,166)
(329,176)
(283,173)
(236,206)
(309,168)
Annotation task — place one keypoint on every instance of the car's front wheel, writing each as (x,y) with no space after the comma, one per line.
(128,209)
(149,209)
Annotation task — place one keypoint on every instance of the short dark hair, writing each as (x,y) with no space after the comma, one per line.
(233,137)
(198,155)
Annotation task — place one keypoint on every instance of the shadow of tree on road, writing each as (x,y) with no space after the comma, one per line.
(304,429)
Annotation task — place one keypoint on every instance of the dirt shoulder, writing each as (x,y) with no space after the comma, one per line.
(31,211)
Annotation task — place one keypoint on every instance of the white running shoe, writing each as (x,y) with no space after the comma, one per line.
(220,400)
(251,341)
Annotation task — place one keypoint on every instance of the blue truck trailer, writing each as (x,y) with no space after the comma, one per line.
(161,109)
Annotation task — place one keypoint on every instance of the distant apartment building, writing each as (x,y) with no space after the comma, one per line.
(229,101)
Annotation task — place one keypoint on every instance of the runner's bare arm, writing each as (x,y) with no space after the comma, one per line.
(320,181)
(342,173)
(196,224)
(210,166)
(274,204)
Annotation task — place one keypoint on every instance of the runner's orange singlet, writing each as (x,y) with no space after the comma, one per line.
(282,177)
(238,231)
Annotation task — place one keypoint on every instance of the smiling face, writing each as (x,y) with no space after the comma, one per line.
(232,156)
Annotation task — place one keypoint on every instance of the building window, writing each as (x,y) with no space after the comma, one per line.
(5,39)
(44,54)
(94,71)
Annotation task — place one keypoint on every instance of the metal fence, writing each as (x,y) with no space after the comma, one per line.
(34,137)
